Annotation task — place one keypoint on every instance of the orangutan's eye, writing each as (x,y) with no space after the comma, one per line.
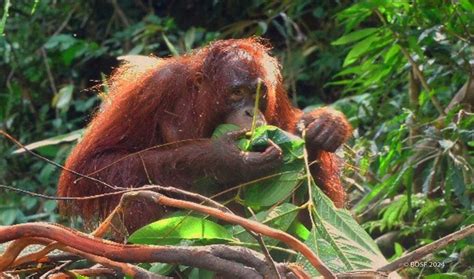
(237,93)
(236,97)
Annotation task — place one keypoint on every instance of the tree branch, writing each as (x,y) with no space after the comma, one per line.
(235,262)
(421,252)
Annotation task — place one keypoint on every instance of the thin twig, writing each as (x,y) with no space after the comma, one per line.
(66,21)
(58,268)
(15,141)
(120,13)
(48,71)
(264,248)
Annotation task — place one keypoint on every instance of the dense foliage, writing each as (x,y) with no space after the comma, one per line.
(400,70)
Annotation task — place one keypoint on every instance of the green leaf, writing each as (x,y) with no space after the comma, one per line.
(350,70)
(170,46)
(450,275)
(299,230)
(354,36)
(61,41)
(189,38)
(8,216)
(161,268)
(391,53)
(467,5)
(360,49)
(69,137)
(49,206)
(275,189)
(280,217)
(224,129)
(74,51)
(415,46)
(269,191)
(79,276)
(455,181)
(339,239)
(173,230)
(381,190)
(62,100)
(3,21)
(398,249)
(261,29)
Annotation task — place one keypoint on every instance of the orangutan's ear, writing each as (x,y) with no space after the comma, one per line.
(198,78)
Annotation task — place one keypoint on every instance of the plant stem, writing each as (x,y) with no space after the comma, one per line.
(255,108)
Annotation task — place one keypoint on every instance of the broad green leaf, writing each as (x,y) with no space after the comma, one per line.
(398,249)
(354,36)
(173,230)
(339,239)
(275,189)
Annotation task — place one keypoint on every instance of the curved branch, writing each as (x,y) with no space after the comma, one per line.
(207,257)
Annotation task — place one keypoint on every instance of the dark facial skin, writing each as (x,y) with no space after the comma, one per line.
(241,83)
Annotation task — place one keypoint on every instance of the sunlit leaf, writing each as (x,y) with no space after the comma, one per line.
(3,21)
(360,49)
(355,36)
(62,100)
(173,230)
(69,137)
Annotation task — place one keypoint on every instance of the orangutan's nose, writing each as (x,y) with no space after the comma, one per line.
(260,118)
